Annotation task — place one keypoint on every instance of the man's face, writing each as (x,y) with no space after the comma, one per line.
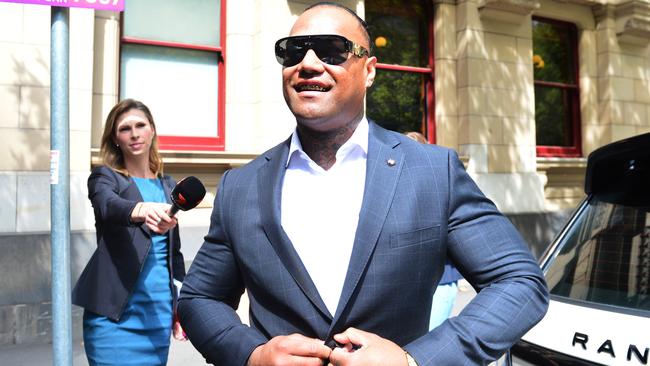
(324,97)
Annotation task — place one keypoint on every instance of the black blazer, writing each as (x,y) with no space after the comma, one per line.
(108,280)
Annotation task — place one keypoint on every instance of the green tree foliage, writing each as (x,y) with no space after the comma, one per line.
(552,43)
(550,117)
(397,100)
(553,52)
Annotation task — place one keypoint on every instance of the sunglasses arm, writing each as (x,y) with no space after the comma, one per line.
(359,51)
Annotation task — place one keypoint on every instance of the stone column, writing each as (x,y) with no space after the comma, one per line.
(496,122)
(623,35)
(446,76)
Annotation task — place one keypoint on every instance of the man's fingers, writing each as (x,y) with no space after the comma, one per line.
(294,349)
(356,337)
(368,349)
(306,361)
(304,346)
(340,356)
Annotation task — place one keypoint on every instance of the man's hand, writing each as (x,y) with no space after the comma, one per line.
(294,349)
(363,348)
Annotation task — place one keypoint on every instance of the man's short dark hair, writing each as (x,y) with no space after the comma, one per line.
(362,23)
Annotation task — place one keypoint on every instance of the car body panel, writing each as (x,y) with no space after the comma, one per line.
(598,269)
(579,331)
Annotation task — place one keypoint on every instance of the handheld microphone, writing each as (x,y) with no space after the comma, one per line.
(187,194)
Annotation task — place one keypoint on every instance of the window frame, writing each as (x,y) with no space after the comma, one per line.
(428,71)
(190,143)
(575,150)
(577,222)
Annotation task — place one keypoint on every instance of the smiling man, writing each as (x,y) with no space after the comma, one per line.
(340,234)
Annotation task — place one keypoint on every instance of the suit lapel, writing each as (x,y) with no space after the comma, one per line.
(383,169)
(270,192)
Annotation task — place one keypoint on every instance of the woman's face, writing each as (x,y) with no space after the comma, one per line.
(134,134)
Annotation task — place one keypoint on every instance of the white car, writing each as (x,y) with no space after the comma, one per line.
(598,269)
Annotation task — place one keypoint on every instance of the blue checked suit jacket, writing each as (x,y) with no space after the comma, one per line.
(415,213)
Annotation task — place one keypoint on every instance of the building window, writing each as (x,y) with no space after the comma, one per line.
(401,98)
(557,91)
(172,59)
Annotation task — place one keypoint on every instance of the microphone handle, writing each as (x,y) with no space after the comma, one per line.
(173,210)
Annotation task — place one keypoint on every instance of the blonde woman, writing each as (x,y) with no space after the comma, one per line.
(127,289)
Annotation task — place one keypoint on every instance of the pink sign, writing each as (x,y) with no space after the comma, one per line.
(114,5)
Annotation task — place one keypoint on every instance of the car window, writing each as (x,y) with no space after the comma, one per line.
(605,257)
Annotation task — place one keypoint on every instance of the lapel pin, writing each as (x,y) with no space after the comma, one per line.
(390,162)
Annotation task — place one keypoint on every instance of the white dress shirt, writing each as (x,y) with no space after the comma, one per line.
(320,210)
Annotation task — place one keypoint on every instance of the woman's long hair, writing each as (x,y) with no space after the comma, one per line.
(417,136)
(109,151)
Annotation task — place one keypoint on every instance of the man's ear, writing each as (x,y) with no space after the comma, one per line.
(371,70)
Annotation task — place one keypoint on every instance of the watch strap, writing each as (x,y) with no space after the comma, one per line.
(410,361)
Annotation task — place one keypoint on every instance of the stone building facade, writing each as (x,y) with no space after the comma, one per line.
(477,87)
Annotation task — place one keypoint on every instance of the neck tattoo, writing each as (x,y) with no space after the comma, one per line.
(321,147)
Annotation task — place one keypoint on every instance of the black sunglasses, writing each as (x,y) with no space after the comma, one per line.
(330,48)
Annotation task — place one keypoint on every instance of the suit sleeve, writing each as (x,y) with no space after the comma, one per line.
(210,295)
(103,192)
(511,291)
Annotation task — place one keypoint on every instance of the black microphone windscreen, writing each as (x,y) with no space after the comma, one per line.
(188,193)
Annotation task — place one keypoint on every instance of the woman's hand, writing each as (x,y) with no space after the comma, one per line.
(155,215)
(178,332)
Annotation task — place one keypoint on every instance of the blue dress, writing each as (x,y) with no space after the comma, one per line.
(142,335)
(443,300)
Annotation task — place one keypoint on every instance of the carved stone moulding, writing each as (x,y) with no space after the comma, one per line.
(633,22)
(509,11)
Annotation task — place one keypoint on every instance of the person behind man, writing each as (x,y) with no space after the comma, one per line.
(339,234)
